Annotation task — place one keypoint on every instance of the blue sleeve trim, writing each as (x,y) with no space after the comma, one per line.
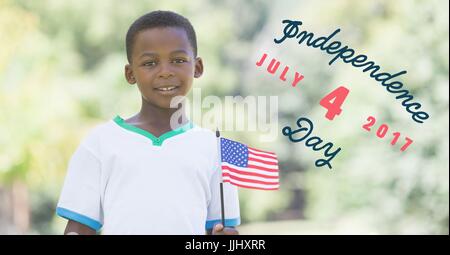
(70,215)
(228,223)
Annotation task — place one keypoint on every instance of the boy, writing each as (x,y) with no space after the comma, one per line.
(141,175)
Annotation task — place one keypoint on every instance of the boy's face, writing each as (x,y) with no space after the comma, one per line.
(163,65)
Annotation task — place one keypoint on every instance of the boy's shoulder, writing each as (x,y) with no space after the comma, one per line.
(202,135)
(97,133)
(202,130)
(101,128)
(205,132)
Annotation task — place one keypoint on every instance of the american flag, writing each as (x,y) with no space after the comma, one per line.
(248,167)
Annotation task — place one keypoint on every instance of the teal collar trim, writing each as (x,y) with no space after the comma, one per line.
(157,141)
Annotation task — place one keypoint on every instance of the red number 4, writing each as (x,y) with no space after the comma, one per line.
(333,102)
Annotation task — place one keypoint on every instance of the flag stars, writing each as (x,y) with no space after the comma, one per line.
(234,153)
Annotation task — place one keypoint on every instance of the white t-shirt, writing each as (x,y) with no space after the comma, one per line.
(123,180)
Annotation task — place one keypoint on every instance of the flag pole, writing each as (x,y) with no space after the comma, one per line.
(219,151)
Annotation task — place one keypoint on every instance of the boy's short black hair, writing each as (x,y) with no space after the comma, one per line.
(159,19)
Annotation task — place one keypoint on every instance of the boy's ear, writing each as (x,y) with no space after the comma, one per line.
(129,74)
(198,67)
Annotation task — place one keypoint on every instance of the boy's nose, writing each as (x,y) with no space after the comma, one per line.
(165,71)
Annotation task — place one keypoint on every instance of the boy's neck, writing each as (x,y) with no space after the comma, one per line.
(151,115)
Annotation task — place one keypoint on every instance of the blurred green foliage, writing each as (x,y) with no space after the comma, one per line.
(61,73)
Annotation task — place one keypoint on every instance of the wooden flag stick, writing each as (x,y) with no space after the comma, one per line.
(222,204)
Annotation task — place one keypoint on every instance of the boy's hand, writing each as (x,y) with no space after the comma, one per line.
(220,230)
(75,228)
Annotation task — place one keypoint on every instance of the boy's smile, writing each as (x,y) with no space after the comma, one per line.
(163,65)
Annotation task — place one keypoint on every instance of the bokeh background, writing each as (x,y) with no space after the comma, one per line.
(61,73)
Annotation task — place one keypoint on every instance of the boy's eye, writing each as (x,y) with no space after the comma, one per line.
(179,60)
(150,63)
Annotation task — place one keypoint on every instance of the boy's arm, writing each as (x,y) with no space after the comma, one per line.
(218,229)
(76,228)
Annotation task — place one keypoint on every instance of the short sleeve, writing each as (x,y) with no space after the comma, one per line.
(80,197)
(231,202)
